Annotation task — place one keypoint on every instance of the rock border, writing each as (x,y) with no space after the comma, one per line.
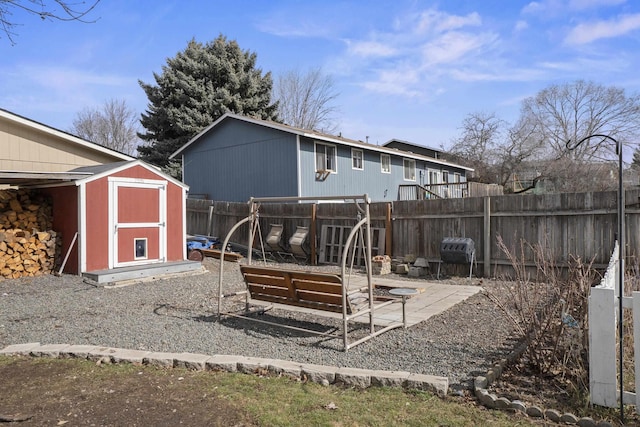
(325,375)
(492,401)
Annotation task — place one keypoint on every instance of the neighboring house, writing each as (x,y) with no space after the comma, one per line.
(29,146)
(238,157)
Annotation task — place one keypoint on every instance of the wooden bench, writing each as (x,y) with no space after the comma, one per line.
(318,291)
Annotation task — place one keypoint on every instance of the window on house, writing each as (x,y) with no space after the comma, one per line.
(326,158)
(409,170)
(385,163)
(456,177)
(357,159)
(445,177)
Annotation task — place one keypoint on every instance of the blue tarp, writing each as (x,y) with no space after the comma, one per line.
(202,242)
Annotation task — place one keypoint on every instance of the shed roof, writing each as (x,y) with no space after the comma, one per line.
(316,136)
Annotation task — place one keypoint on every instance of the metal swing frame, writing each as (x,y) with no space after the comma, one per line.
(364,221)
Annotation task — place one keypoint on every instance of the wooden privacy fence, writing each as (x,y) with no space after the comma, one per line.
(566,224)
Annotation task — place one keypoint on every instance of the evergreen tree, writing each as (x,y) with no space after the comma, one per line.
(195,88)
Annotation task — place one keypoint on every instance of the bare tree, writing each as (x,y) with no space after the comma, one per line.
(478,146)
(306,100)
(57,10)
(115,126)
(569,112)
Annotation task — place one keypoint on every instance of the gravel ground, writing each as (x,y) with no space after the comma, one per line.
(178,315)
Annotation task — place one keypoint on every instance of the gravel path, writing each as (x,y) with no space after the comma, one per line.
(177,315)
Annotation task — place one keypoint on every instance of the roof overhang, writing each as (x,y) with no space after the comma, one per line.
(318,137)
(39,179)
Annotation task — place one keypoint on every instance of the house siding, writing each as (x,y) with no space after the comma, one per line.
(29,149)
(371,180)
(239,160)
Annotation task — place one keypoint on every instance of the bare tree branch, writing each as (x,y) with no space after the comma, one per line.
(114,126)
(306,100)
(56,10)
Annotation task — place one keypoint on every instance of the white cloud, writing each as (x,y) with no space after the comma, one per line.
(371,49)
(588,32)
(434,21)
(590,4)
(399,81)
(556,7)
(454,46)
(521,25)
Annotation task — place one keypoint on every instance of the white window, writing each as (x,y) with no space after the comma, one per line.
(456,177)
(326,157)
(409,170)
(357,159)
(445,177)
(385,163)
(434,177)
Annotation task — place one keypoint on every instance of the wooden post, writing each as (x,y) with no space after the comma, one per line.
(314,259)
(487,237)
(388,235)
(210,220)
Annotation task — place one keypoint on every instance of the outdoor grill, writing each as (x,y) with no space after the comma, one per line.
(457,250)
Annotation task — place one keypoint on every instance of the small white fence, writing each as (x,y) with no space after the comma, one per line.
(603,337)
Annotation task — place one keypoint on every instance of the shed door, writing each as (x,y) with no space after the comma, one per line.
(138,220)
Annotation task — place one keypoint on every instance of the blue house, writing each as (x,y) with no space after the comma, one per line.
(239,157)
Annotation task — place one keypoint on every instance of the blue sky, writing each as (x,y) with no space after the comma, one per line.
(405,69)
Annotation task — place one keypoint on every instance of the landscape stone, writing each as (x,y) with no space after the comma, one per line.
(253,365)
(568,418)
(586,422)
(102,354)
(553,415)
(285,368)
(353,377)
(160,359)
(318,373)
(519,406)
(192,361)
(78,351)
(222,363)
(22,349)
(416,271)
(480,382)
(389,378)
(131,356)
(49,350)
(402,269)
(503,403)
(535,411)
(432,383)
(421,262)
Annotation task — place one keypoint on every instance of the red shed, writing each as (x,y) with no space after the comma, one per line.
(125,214)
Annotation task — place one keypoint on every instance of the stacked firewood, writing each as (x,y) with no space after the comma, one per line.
(28,246)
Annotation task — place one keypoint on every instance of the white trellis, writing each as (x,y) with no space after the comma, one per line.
(603,323)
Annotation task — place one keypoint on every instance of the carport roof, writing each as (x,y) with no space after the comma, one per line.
(35,179)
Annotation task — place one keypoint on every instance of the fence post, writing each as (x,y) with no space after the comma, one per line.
(487,237)
(602,347)
(636,344)
(210,220)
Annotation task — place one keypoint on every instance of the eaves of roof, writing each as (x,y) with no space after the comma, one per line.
(63,135)
(316,136)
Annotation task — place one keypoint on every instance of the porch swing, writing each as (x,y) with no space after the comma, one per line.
(320,292)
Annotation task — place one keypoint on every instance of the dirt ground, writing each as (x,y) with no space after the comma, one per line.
(36,392)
